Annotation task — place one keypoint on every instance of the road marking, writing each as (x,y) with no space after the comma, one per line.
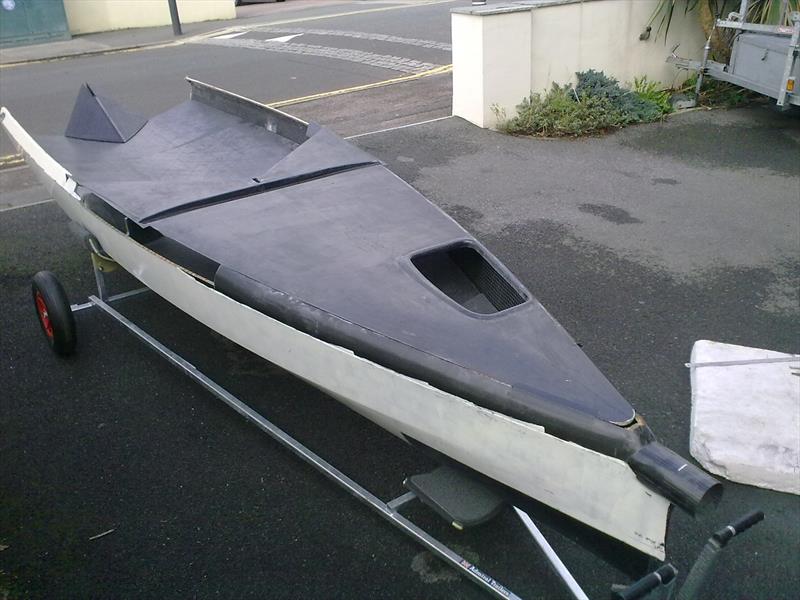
(285,38)
(358,12)
(361,35)
(8,208)
(358,135)
(227,36)
(221,31)
(37,61)
(9,161)
(358,88)
(383,61)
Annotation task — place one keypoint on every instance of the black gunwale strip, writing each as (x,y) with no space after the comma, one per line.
(252,190)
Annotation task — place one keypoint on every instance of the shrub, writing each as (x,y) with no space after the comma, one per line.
(634,108)
(561,113)
(596,104)
(650,92)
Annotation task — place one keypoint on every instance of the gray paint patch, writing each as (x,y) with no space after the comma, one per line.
(617,215)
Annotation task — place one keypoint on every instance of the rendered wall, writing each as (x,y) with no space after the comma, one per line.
(503,52)
(89,16)
(491,60)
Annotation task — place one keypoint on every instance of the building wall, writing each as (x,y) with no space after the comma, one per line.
(89,16)
(501,53)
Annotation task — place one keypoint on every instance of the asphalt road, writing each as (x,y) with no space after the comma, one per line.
(639,243)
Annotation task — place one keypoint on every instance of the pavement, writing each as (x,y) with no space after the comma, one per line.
(639,243)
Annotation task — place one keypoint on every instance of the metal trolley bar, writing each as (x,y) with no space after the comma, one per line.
(555,561)
(388,511)
(658,584)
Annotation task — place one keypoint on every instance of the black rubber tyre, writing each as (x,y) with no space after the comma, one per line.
(54,313)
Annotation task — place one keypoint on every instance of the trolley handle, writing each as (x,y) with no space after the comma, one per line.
(726,534)
(640,589)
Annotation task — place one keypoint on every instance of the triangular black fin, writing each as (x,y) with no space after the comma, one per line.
(100,119)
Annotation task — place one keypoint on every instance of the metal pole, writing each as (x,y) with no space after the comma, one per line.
(173,14)
(794,51)
(743,11)
(387,511)
(555,562)
(701,73)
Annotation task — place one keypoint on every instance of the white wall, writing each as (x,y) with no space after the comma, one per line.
(90,16)
(491,59)
(503,52)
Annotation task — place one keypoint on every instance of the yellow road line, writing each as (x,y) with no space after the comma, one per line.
(11,160)
(437,71)
(217,32)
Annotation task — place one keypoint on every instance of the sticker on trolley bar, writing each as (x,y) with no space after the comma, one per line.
(484,577)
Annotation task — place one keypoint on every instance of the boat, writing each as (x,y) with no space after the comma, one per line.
(309,252)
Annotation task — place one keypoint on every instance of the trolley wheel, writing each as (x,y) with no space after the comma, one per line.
(54,313)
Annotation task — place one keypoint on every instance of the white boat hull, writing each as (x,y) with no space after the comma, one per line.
(596,489)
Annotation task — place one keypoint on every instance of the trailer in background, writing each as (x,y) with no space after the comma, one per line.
(764,58)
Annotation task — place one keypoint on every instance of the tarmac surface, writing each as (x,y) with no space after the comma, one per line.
(639,243)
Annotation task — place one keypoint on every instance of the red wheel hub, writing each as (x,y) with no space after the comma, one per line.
(44,316)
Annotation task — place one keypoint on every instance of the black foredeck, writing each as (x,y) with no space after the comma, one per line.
(322,236)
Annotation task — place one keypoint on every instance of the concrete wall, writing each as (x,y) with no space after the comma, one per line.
(503,52)
(89,16)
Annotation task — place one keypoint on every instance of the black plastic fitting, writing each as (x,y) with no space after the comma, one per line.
(675,478)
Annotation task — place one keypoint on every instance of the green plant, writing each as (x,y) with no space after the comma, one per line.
(650,91)
(596,104)
(560,112)
(758,11)
(631,105)
(719,93)
(666,9)
(769,11)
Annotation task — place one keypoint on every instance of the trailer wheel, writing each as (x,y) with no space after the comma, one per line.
(54,313)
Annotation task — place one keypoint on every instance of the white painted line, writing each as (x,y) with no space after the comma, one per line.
(228,36)
(384,61)
(362,35)
(25,205)
(285,38)
(358,135)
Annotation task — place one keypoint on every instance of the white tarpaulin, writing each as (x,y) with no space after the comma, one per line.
(746,414)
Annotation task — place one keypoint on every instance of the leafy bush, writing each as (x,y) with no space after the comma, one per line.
(560,113)
(650,92)
(596,104)
(634,108)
